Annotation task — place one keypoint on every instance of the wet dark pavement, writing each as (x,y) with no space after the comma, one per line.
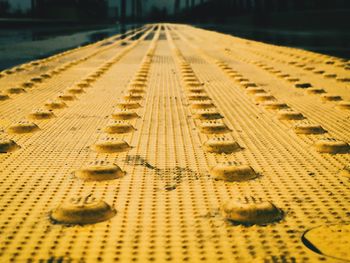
(330,42)
(20,45)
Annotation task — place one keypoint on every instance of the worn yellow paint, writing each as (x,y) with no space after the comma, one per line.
(152,121)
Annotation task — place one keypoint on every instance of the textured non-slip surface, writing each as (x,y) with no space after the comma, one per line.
(168,205)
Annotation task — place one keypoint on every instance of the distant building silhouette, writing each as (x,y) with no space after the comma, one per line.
(258,11)
(261,10)
(80,10)
(134,10)
(15,7)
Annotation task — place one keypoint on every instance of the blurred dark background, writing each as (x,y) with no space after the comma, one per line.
(281,13)
(318,25)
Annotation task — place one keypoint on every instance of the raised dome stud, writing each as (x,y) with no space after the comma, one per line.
(255,90)
(133,96)
(36,79)
(82,211)
(202,104)
(241,79)
(197,90)
(90,79)
(308,128)
(140,78)
(7,145)
(66,97)
(330,97)
(187,71)
(315,91)
(343,79)
(111,145)
(191,84)
(303,85)
(128,105)
(55,104)
(221,145)
(197,96)
(15,90)
(321,240)
(188,74)
(138,84)
(274,105)
(261,97)
(289,114)
(136,90)
(83,84)
(293,79)
(23,127)
(234,74)
(233,172)
(248,84)
(99,171)
(142,74)
(41,114)
(190,78)
(332,146)
(207,114)
(213,127)
(251,212)
(124,114)
(75,90)
(4,96)
(343,105)
(119,127)
(283,75)
(330,76)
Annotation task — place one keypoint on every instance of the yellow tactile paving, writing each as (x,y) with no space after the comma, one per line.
(179,145)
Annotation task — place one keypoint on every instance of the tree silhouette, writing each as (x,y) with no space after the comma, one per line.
(176,7)
(123,11)
(139,9)
(4,7)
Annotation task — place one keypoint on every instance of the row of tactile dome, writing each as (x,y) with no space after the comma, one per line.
(325,144)
(246,211)
(87,209)
(35,81)
(60,102)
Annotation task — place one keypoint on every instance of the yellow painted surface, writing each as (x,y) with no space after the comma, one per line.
(158,118)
